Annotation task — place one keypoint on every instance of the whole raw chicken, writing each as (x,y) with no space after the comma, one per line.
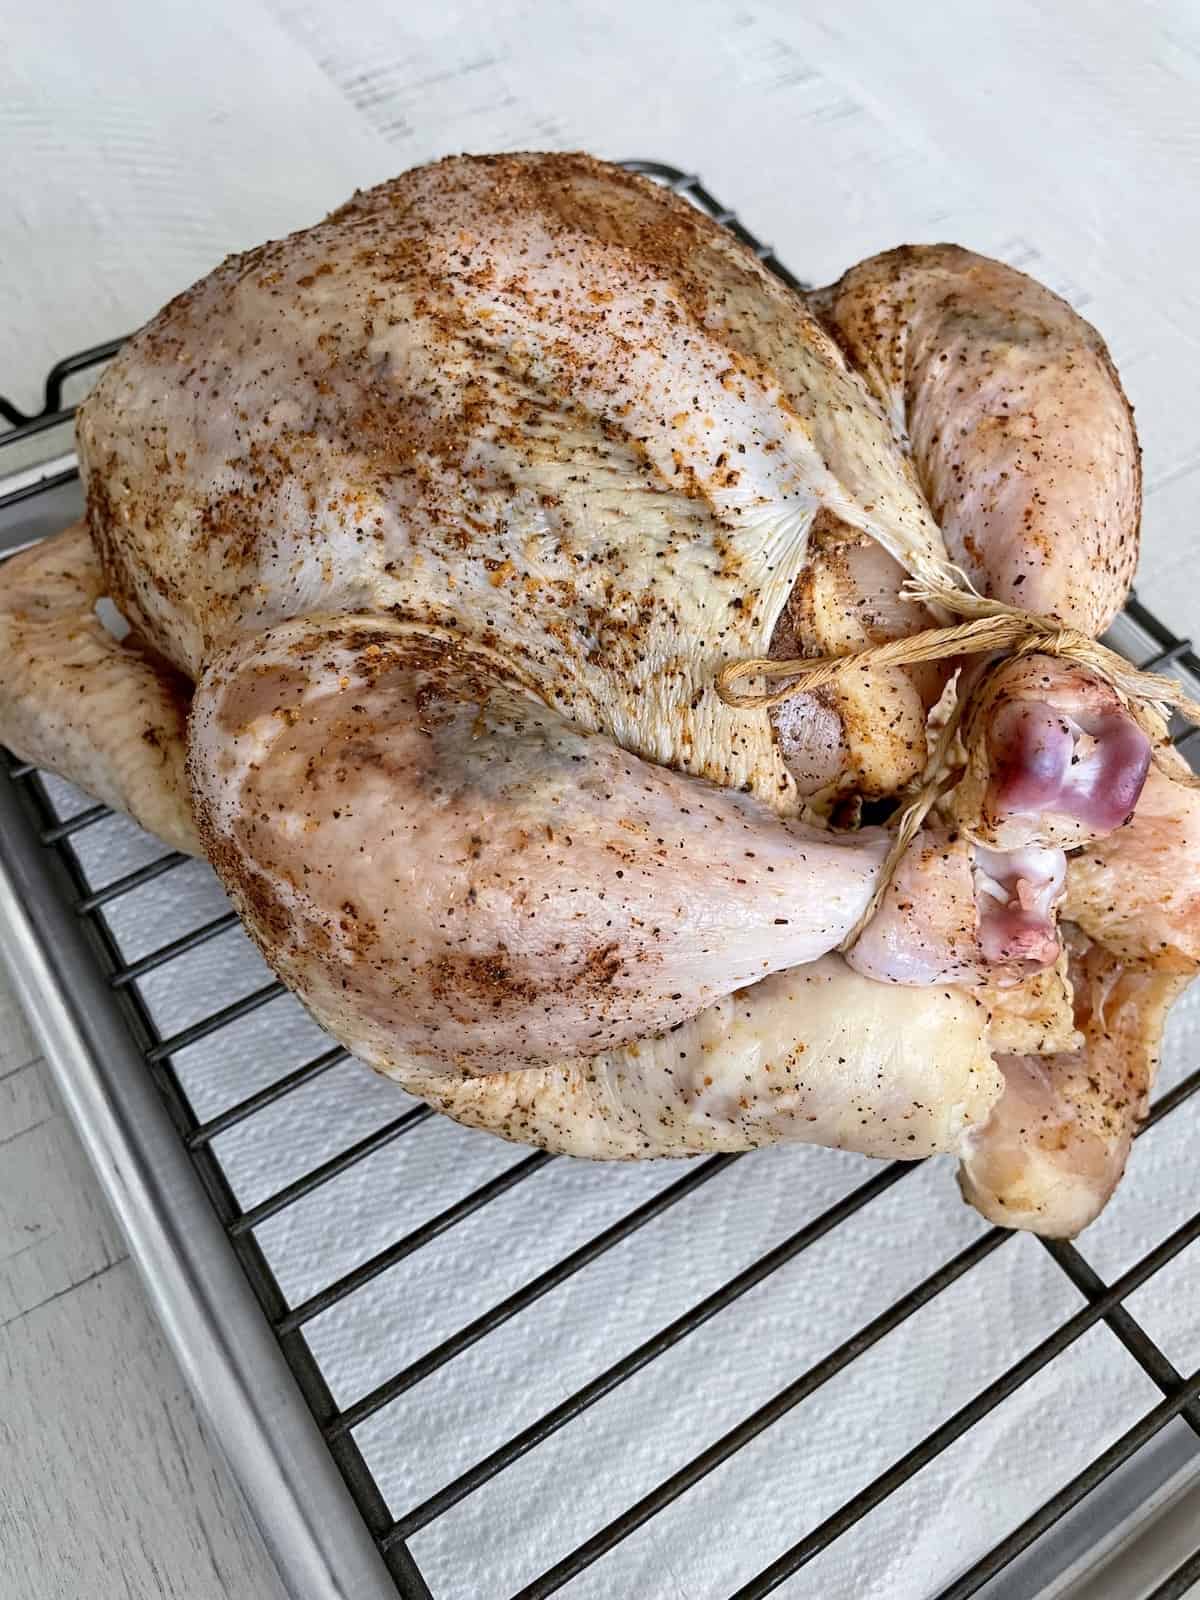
(435,525)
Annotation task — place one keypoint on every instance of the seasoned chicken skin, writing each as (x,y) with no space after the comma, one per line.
(443,866)
(1137,892)
(1023,441)
(1015,418)
(453,507)
(816,1054)
(1056,1143)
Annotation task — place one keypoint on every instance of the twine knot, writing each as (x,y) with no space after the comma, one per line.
(991,627)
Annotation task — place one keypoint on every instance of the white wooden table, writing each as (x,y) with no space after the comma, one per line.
(142,142)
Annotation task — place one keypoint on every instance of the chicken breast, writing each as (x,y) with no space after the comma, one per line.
(531,398)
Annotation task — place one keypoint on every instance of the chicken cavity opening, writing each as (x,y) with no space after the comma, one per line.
(1016,893)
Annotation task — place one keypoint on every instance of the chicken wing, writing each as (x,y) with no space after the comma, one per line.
(77,701)
(1056,1143)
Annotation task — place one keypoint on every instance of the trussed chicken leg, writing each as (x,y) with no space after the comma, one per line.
(1024,444)
(444,867)
(1054,758)
(814,1055)
(1018,427)
(1056,1143)
(955,912)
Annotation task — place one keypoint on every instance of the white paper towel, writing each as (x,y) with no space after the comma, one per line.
(792,1476)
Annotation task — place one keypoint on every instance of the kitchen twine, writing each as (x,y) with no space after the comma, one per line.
(992,628)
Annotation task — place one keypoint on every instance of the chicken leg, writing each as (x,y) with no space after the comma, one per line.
(1024,444)
(442,866)
(1056,1143)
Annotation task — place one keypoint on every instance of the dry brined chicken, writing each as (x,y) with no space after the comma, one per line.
(436,526)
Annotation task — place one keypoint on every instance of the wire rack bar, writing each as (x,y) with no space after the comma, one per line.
(702,1172)
(214,1023)
(1166,1103)
(177,947)
(1068,1496)
(416,1240)
(1169,656)
(1135,1339)
(291,1192)
(620,1371)
(95,898)
(940,1440)
(53,411)
(720,1451)
(75,824)
(208,1131)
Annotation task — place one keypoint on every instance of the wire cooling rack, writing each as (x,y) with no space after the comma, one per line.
(87,938)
